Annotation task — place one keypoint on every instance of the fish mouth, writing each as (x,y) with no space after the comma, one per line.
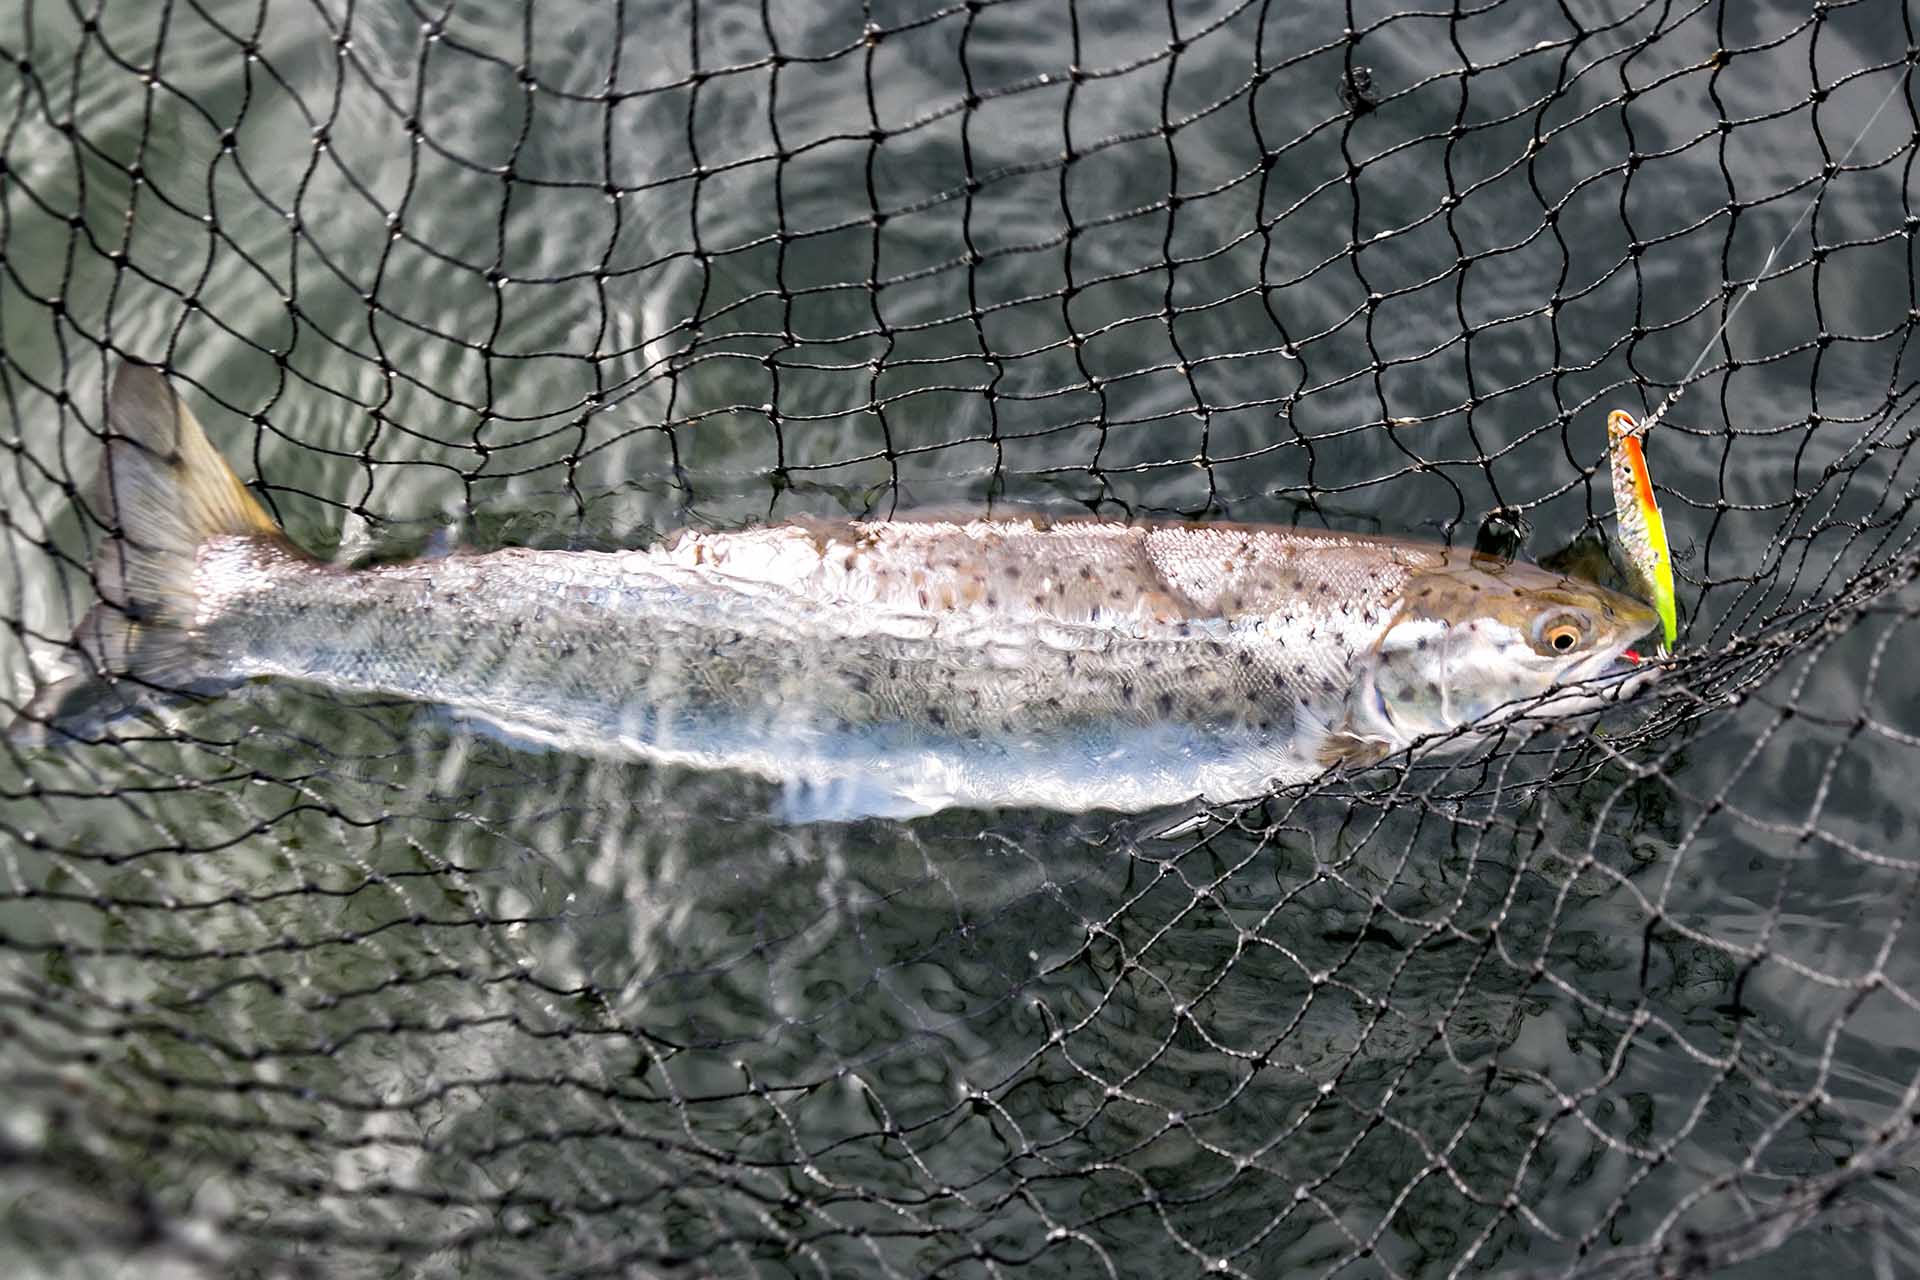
(1603,680)
(1614,676)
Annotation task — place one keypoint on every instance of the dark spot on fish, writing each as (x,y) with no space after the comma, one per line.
(936,715)
(1422,643)
(1013,572)
(1126,692)
(1165,701)
(923,597)
(1279,679)
(1040,598)
(1246,659)
(1321,589)
(1115,594)
(993,601)
(1086,574)
(1253,695)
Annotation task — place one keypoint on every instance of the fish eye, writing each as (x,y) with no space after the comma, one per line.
(1560,633)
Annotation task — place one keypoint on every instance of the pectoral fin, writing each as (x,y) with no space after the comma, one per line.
(1345,750)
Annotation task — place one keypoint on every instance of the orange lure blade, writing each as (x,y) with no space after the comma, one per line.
(1643,533)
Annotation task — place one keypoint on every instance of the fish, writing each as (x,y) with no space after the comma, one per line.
(1643,531)
(872,668)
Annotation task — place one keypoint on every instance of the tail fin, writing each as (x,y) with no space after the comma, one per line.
(163,490)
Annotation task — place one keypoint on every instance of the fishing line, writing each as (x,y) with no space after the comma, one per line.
(1753,285)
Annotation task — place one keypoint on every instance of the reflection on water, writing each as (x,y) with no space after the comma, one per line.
(333,980)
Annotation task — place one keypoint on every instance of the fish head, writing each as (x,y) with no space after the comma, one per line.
(1473,642)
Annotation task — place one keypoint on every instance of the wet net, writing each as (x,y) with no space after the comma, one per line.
(298,985)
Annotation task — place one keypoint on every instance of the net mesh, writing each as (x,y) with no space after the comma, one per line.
(307,986)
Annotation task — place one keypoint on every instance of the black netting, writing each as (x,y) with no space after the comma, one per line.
(315,986)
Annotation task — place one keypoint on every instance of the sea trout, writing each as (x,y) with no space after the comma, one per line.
(895,667)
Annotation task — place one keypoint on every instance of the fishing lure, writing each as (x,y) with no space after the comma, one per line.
(1642,531)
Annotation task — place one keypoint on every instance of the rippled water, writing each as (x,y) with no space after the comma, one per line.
(340,974)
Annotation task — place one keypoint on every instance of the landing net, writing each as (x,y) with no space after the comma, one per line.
(308,986)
